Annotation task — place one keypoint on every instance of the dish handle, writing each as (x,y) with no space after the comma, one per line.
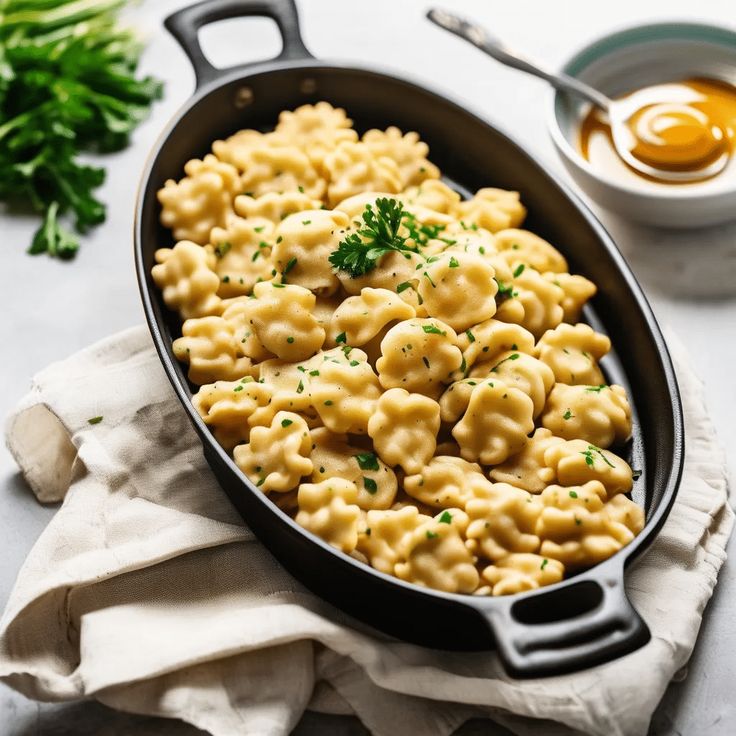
(184,26)
(586,622)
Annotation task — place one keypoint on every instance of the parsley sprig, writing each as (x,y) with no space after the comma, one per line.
(361,251)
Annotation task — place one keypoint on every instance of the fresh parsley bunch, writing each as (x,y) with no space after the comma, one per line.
(67,85)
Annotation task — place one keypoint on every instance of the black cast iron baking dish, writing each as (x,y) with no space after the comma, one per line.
(582,621)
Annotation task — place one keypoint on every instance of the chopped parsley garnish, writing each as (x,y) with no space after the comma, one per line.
(470,335)
(432,535)
(361,251)
(590,453)
(222,248)
(286,422)
(367,461)
(544,564)
(505,291)
(277,285)
(420,234)
(289,265)
(300,387)
(341,338)
(238,388)
(453,262)
(446,518)
(429,278)
(573,494)
(513,356)
(94,420)
(314,373)
(433,330)
(568,415)
(306,222)
(596,389)
(403,286)
(370,485)
(519,270)
(290,339)
(328,402)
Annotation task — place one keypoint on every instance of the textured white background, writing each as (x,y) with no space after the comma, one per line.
(51,309)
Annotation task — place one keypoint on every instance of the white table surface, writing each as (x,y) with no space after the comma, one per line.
(50,309)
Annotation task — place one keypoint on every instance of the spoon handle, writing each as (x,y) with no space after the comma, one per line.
(494,47)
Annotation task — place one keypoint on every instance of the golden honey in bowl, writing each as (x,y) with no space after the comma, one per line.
(684,126)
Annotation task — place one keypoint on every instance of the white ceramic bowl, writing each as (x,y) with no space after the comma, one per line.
(627,60)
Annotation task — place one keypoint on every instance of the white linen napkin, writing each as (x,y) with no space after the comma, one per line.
(147,592)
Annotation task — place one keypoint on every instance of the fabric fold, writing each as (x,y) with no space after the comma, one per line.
(148,592)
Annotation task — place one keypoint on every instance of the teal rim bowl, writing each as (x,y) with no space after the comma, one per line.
(629,59)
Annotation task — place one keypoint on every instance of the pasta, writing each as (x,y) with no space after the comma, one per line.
(402,371)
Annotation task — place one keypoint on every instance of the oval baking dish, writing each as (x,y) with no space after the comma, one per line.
(582,621)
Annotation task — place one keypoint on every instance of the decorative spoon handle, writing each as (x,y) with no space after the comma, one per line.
(494,47)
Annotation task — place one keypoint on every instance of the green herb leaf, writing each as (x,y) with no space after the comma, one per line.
(544,564)
(286,422)
(403,286)
(505,291)
(470,336)
(370,485)
(341,338)
(432,535)
(50,237)
(513,356)
(519,270)
(367,461)
(289,265)
(453,262)
(94,420)
(433,330)
(446,518)
(223,248)
(361,251)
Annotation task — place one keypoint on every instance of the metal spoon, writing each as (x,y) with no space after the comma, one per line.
(618,112)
